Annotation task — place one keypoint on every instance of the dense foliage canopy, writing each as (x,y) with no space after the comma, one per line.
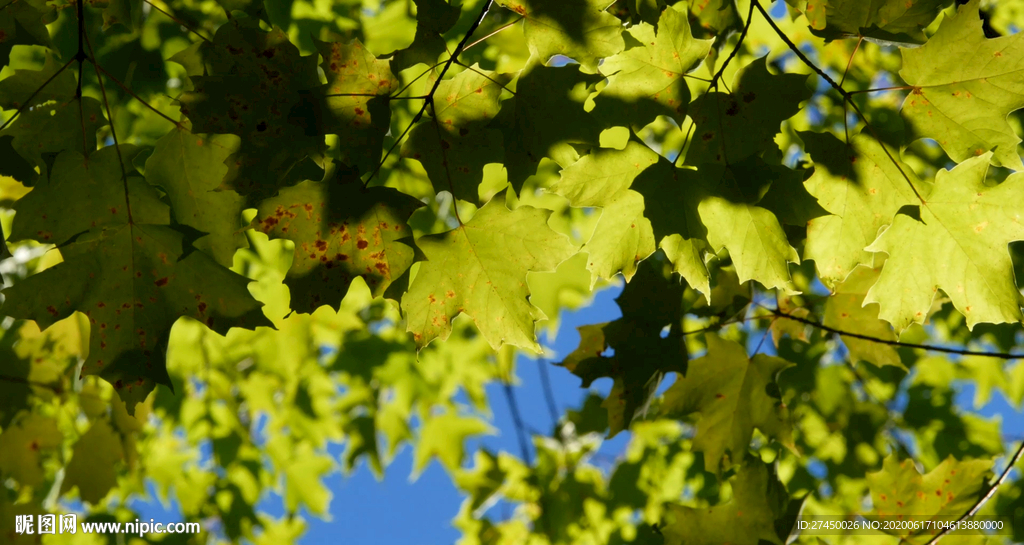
(241,231)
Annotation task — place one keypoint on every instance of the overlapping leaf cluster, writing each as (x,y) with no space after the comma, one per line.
(319,224)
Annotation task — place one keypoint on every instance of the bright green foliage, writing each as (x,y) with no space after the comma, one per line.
(480,269)
(863,189)
(964,105)
(958,246)
(579,29)
(272,152)
(603,179)
(941,494)
(341,231)
(649,80)
(92,467)
(455,144)
(733,395)
(887,21)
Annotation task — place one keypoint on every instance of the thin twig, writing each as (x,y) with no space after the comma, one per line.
(28,101)
(549,394)
(176,20)
(493,32)
(517,421)
(850,62)
(987,496)
(131,93)
(931,348)
(113,131)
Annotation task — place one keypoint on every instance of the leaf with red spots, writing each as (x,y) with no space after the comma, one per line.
(759,511)
(454,145)
(255,84)
(354,102)
(733,394)
(23,444)
(484,264)
(341,231)
(132,277)
(649,303)
(647,80)
(733,126)
(945,493)
(965,87)
(959,245)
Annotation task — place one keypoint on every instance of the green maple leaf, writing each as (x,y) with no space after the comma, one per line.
(885,21)
(22,445)
(964,105)
(579,29)
(483,481)
(943,494)
(537,123)
(651,302)
(189,168)
(304,469)
(733,126)
(23,22)
(433,18)
(480,269)
(845,310)
(255,84)
(443,437)
(648,80)
(758,501)
(355,101)
(863,189)
(622,237)
(732,394)
(959,245)
(93,462)
(341,231)
(753,235)
(454,144)
(17,89)
(132,275)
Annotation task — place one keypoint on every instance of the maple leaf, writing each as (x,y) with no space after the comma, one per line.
(341,231)
(255,84)
(943,494)
(433,18)
(93,465)
(730,127)
(648,80)
(651,302)
(759,502)
(132,274)
(959,245)
(579,29)
(537,123)
(442,436)
(845,310)
(732,393)
(189,168)
(355,105)
(24,442)
(622,237)
(480,269)
(455,144)
(24,23)
(964,105)
(863,189)
(885,21)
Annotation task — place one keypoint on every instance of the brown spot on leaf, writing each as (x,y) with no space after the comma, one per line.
(161,282)
(362,244)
